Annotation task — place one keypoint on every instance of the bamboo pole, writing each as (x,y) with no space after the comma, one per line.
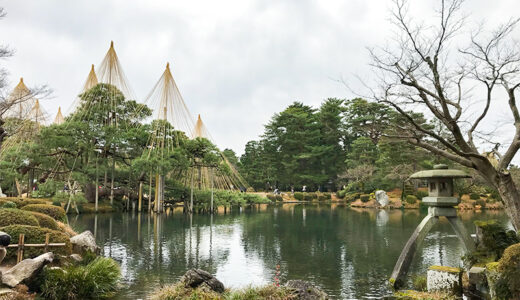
(191,195)
(112,181)
(21,240)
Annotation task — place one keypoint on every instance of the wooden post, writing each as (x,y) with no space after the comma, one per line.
(97,183)
(150,194)
(140,201)
(21,241)
(191,195)
(112,181)
(47,237)
(212,179)
(155,206)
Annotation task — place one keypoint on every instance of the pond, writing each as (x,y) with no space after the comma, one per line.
(348,252)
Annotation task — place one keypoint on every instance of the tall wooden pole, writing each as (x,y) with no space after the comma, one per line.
(150,194)
(212,180)
(191,195)
(155,206)
(112,181)
(139,205)
(97,184)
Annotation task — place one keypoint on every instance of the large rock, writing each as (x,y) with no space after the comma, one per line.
(84,242)
(26,270)
(5,239)
(306,290)
(382,198)
(196,277)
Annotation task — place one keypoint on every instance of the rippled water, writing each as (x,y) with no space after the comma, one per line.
(348,252)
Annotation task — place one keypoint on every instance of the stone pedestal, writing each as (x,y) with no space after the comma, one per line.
(444,279)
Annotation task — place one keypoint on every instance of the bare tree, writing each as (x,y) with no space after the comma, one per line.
(423,71)
(8,101)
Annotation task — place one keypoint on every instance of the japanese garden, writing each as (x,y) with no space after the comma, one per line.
(405,186)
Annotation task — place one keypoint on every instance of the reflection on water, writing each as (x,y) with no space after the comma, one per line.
(348,252)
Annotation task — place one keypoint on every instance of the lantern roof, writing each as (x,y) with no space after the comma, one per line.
(440,171)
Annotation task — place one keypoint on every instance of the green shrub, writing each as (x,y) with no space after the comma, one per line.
(48,189)
(313,195)
(481,202)
(341,194)
(36,235)
(421,194)
(56,212)
(9,204)
(279,198)
(364,198)
(419,283)
(298,196)
(12,216)
(26,202)
(56,203)
(508,286)
(474,196)
(61,197)
(495,238)
(352,196)
(98,279)
(308,196)
(322,198)
(45,220)
(411,199)
(328,196)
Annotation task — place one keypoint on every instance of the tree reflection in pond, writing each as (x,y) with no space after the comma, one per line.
(348,252)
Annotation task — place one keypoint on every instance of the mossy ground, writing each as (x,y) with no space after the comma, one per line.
(179,291)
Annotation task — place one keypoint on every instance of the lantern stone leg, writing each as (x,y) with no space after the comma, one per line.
(462,234)
(406,257)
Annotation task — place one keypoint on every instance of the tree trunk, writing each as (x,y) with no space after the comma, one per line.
(511,197)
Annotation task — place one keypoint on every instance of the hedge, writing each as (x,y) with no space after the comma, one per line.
(411,199)
(298,196)
(12,216)
(45,221)
(26,202)
(56,212)
(36,235)
(17,201)
(474,196)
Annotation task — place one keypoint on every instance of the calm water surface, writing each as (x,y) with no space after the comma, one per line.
(348,252)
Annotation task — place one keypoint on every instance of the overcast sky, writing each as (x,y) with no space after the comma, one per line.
(236,62)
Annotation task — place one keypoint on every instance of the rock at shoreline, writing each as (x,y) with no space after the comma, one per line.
(197,277)
(382,198)
(83,242)
(305,290)
(26,270)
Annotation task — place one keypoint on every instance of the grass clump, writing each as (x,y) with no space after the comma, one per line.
(13,200)
(45,220)
(179,291)
(55,212)
(298,196)
(419,283)
(36,235)
(13,216)
(97,279)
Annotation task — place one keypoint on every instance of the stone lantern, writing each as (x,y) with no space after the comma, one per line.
(440,202)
